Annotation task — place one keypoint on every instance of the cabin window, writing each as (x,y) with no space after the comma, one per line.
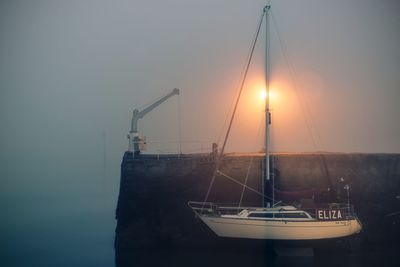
(260,215)
(291,215)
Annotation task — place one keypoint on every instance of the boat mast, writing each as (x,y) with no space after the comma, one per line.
(267,108)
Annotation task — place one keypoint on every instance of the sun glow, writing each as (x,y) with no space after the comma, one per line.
(285,109)
(263,94)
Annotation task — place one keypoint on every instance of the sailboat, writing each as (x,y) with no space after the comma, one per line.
(274,221)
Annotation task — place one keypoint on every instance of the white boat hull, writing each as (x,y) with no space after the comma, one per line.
(280,229)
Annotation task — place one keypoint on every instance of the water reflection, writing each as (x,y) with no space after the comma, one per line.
(257,257)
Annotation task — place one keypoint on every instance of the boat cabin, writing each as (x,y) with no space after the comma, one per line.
(276,213)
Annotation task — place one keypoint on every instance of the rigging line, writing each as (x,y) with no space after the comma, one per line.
(308,117)
(242,85)
(236,104)
(293,76)
(245,181)
(243,74)
(246,186)
(307,114)
(225,120)
(242,184)
(251,162)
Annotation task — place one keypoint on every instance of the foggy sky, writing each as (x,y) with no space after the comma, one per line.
(71,72)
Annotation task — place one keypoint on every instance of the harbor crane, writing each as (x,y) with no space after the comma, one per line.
(133,136)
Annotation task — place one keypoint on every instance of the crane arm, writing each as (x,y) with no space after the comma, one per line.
(158,102)
(140,114)
(133,135)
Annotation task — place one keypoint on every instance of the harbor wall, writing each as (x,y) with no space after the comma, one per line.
(152,205)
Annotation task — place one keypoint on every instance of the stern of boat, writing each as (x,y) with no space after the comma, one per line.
(357,226)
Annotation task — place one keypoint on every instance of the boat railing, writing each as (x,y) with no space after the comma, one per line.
(202,207)
(217,208)
(332,211)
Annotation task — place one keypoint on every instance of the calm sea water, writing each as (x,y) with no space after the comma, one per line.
(79,231)
(257,259)
(56,231)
